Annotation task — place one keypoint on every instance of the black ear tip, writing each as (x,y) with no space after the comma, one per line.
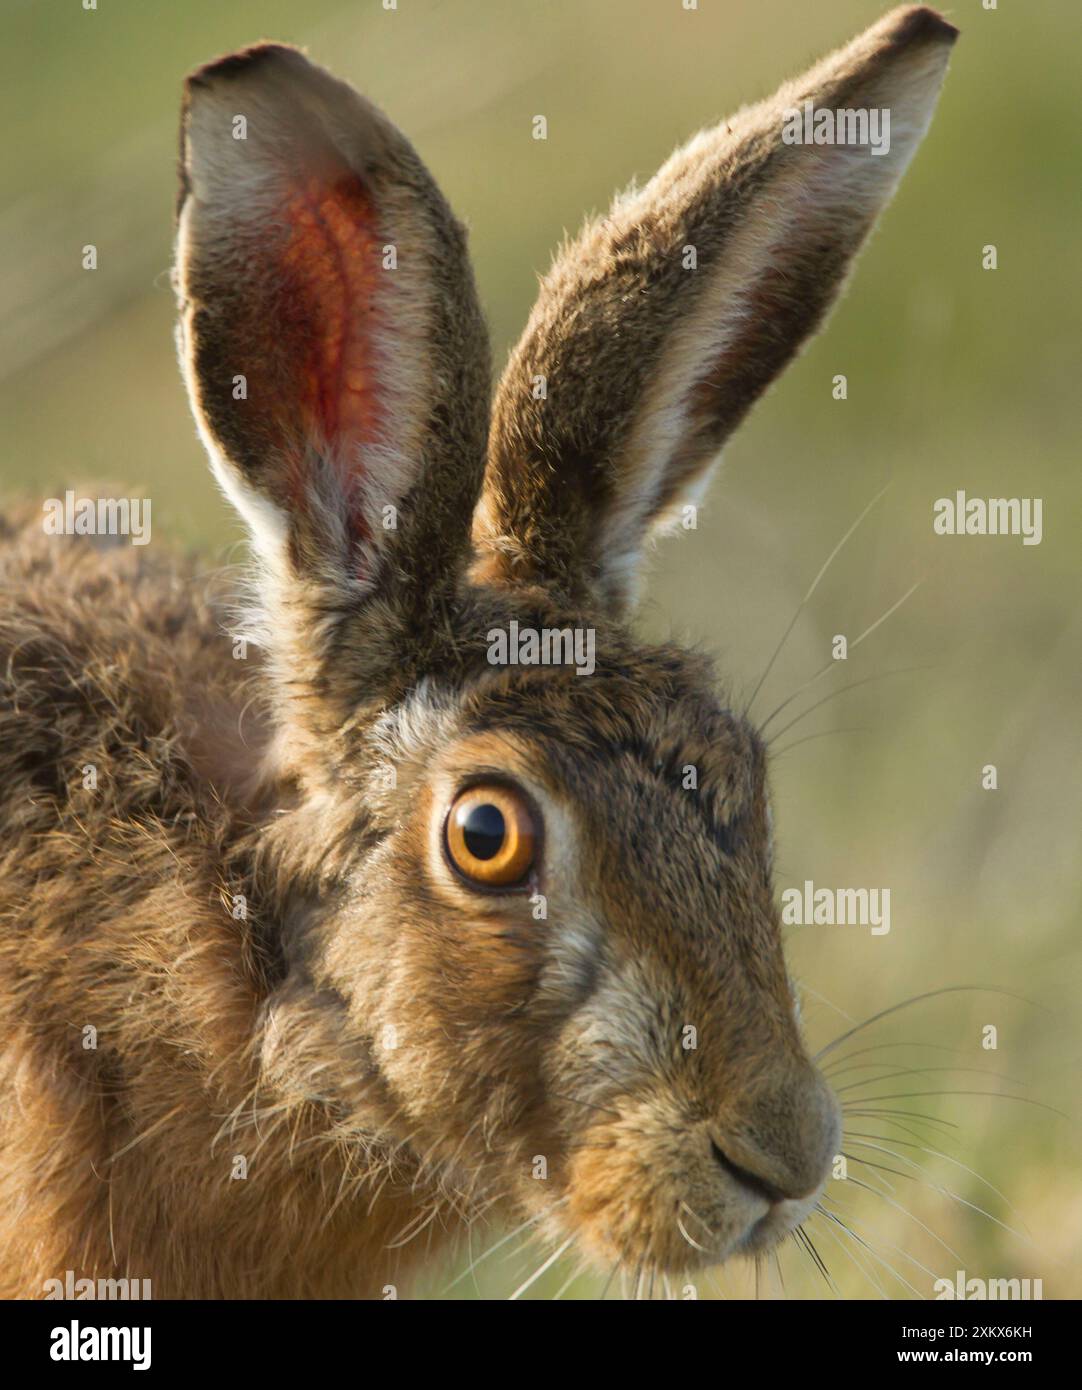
(921,24)
(244,62)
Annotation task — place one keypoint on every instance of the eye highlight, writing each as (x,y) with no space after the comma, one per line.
(491,835)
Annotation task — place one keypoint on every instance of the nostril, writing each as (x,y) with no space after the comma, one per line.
(746,1178)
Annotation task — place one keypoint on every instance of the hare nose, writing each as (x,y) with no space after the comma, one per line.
(746,1178)
(783,1147)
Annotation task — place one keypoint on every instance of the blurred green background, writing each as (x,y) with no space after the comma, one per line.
(958,378)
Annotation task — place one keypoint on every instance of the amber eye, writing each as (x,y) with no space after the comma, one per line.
(491,835)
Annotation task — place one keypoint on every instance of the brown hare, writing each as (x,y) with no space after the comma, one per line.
(319,948)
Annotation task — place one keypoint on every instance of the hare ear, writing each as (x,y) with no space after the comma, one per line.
(657,329)
(332,344)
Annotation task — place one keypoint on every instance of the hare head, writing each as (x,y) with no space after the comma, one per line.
(519,873)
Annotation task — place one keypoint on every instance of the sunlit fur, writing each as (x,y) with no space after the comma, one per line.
(318,1053)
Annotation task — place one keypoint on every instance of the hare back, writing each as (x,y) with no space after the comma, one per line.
(130,984)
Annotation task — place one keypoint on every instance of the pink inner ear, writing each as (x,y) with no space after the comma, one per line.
(330,266)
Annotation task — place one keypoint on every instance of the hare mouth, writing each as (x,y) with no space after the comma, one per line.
(704,1218)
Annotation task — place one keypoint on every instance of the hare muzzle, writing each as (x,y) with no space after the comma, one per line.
(662,1189)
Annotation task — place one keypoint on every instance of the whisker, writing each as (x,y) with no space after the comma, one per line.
(947,1158)
(414,1228)
(839,1067)
(832,665)
(538,1272)
(816,1259)
(781,1277)
(883,1046)
(833,695)
(999,1095)
(908,1003)
(889,1115)
(708,1229)
(874,1253)
(936,1187)
(811,590)
(693,1243)
(858,1182)
(905,1256)
(868,1163)
(924,1071)
(807,989)
(532,1221)
(612,1276)
(575,1275)
(777,753)
(867,1273)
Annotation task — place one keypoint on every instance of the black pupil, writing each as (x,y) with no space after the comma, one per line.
(484,831)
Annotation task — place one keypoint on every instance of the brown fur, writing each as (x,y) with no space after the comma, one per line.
(388,1050)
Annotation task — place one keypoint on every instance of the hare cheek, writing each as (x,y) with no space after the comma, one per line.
(571,970)
(498,962)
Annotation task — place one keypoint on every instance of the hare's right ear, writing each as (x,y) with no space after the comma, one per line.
(657,328)
(334,352)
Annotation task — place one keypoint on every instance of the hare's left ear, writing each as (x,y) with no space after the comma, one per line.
(336,360)
(658,328)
